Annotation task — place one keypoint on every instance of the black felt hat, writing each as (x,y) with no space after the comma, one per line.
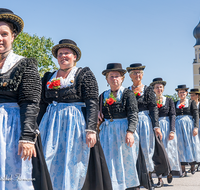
(158,81)
(114,67)
(181,87)
(194,91)
(8,16)
(66,43)
(135,66)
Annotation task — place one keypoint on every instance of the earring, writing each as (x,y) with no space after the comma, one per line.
(107,85)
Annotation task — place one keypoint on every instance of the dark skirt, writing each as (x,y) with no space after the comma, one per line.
(40,172)
(97,177)
(160,158)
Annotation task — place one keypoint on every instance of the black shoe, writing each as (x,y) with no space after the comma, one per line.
(152,185)
(159,184)
(198,168)
(184,174)
(192,171)
(152,188)
(169,178)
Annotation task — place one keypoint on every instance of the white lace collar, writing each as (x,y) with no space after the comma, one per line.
(67,81)
(141,93)
(119,93)
(10,61)
(186,103)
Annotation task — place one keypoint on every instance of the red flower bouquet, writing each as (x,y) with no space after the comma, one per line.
(110,101)
(159,105)
(137,93)
(181,106)
(54,83)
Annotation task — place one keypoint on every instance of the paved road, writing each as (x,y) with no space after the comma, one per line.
(191,182)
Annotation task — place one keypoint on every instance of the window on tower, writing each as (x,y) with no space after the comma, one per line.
(199,56)
(199,70)
(195,56)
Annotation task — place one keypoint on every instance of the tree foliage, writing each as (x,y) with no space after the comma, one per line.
(36,47)
(175,97)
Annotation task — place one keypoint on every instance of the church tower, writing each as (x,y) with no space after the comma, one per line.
(196,62)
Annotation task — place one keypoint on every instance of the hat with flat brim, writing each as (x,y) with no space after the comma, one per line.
(181,87)
(158,81)
(114,67)
(8,16)
(66,43)
(135,66)
(194,91)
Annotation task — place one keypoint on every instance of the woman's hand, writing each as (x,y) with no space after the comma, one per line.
(91,139)
(171,136)
(27,150)
(195,132)
(100,116)
(129,138)
(158,133)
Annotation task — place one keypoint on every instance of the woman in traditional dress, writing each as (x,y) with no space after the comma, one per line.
(187,124)
(118,134)
(167,116)
(68,126)
(194,94)
(148,121)
(22,164)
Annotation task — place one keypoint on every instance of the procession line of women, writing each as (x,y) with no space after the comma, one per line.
(138,134)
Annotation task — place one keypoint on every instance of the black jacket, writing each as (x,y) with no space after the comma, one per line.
(21,84)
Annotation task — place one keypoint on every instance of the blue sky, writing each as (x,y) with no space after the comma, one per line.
(156,33)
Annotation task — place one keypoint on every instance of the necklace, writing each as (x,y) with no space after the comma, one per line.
(114,91)
(4,55)
(137,86)
(65,69)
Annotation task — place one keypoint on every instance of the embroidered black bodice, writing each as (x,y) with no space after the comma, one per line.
(190,110)
(168,110)
(125,108)
(84,89)
(147,101)
(21,84)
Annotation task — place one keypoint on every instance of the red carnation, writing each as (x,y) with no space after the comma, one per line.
(51,85)
(137,94)
(159,105)
(110,101)
(48,83)
(181,106)
(56,83)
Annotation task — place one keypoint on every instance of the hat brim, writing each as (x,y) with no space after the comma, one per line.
(177,89)
(71,46)
(135,68)
(194,92)
(158,82)
(14,19)
(109,70)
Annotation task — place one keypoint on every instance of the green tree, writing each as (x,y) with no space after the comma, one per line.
(37,47)
(175,97)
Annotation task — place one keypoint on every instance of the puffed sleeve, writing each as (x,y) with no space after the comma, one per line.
(132,111)
(89,91)
(195,113)
(29,98)
(152,106)
(172,114)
